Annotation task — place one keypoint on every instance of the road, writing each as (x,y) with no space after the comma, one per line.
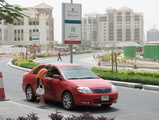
(133,104)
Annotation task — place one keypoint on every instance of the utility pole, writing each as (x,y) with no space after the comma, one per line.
(71,47)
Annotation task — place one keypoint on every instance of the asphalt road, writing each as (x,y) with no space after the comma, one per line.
(133,104)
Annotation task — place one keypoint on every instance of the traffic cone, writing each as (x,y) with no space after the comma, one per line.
(2,93)
(99,63)
(135,67)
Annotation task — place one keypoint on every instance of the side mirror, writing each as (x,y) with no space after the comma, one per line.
(98,75)
(56,76)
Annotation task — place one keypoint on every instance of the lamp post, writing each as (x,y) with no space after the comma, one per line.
(71,47)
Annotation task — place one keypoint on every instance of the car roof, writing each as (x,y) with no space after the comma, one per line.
(64,64)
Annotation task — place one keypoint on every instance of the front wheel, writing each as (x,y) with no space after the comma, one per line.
(67,101)
(30,94)
(106,105)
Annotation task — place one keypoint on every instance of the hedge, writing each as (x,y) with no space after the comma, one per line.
(144,77)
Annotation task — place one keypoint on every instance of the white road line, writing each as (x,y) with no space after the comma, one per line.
(47,110)
(27,106)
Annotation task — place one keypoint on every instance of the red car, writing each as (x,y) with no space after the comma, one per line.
(71,84)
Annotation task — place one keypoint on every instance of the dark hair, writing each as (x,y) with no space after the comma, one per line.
(48,66)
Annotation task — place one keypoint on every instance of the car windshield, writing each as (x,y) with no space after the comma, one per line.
(78,72)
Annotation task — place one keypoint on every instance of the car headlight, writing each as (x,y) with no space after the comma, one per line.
(114,89)
(84,90)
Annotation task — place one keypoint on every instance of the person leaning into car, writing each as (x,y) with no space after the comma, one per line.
(39,78)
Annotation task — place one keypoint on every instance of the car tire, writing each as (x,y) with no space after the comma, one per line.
(67,101)
(30,94)
(106,105)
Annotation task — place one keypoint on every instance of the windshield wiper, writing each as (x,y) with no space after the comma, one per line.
(89,78)
(73,78)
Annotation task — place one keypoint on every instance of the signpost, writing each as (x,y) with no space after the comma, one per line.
(71,25)
(36,43)
(35,39)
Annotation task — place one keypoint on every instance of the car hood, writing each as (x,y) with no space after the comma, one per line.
(91,83)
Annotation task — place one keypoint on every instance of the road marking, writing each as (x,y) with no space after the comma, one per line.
(47,110)
(27,106)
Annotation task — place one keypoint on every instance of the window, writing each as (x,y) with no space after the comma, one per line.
(136,18)
(102,19)
(30,38)
(73,72)
(38,69)
(54,71)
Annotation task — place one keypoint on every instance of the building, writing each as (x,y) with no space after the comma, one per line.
(115,26)
(36,30)
(89,28)
(153,35)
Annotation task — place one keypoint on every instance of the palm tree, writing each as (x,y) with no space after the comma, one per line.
(9,13)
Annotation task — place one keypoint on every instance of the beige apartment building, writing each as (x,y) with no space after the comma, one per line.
(36,30)
(115,27)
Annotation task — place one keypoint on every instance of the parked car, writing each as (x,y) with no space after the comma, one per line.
(72,85)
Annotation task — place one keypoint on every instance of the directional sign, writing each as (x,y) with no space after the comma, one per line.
(71,23)
(35,39)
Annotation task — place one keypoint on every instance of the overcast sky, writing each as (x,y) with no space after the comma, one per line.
(149,8)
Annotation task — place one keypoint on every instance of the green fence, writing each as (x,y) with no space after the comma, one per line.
(130,51)
(151,51)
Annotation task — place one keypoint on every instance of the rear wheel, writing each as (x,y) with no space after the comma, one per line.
(67,101)
(30,94)
(106,105)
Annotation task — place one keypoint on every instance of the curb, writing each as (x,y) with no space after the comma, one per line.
(151,87)
(17,67)
(118,83)
(135,85)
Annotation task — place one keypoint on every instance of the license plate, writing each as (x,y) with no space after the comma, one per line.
(104,97)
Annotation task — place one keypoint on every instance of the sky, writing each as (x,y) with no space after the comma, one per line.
(149,8)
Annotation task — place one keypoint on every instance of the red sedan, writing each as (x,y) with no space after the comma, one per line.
(71,84)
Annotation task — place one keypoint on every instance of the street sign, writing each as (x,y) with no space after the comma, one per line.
(35,39)
(71,23)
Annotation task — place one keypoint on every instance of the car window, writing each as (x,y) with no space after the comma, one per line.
(52,72)
(38,69)
(78,72)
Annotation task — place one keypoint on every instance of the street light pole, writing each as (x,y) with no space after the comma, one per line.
(71,47)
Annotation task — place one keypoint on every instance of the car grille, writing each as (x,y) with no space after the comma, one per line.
(102,90)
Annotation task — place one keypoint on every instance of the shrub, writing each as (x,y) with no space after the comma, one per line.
(42,55)
(30,116)
(25,63)
(59,116)
(56,116)
(29,65)
(144,77)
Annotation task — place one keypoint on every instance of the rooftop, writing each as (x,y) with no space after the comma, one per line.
(43,5)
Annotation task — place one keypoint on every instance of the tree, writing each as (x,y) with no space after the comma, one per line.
(9,13)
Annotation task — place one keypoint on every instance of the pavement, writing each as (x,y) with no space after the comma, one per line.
(117,83)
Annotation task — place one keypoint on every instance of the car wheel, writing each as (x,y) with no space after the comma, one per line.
(106,105)
(30,94)
(67,101)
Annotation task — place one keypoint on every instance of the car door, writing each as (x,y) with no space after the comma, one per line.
(54,88)
(33,76)
(48,85)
